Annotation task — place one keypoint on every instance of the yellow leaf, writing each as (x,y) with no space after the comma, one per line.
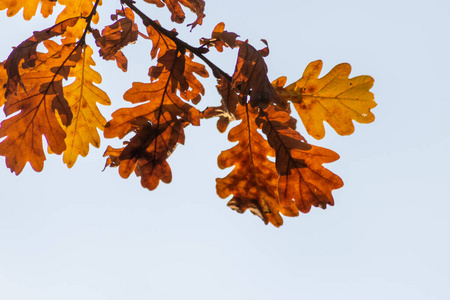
(29,7)
(334,98)
(83,96)
(77,8)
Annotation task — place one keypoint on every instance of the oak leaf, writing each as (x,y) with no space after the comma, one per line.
(83,96)
(158,123)
(29,7)
(178,16)
(333,98)
(250,77)
(77,8)
(26,51)
(41,106)
(116,36)
(147,152)
(254,180)
(220,38)
(303,179)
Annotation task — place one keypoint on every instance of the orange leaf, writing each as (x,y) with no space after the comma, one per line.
(147,152)
(303,179)
(40,104)
(27,51)
(116,36)
(250,77)
(178,16)
(333,98)
(83,96)
(254,180)
(220,38)
(77,8)
(29,7)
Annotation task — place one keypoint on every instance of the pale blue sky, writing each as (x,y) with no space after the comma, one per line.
(86,234)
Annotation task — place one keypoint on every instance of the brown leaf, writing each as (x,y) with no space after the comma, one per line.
(250,77)
(254,180)
(178,16)
(303,179)
(116,36)
(26,51)
(147,152)
(333,98)
(41,105)
(220,38)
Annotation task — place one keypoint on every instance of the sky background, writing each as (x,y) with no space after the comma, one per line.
(87,234)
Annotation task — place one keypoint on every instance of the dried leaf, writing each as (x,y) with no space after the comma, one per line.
(3,81)
(220,38)
(333,98)
(40,106)
(250,77)
(116,36)
(303,179)
(178,16)
(147,153)
(26,51)
(29,7)
(83,96)
(254,180)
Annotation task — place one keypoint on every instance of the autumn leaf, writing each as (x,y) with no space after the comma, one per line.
(40,106)
(29,7)
(303,179)
(333,98)
(254,180)
(226,111)
(158,123)
(220,38)
(178,16)
(116,36)
(83,96)
(26,51)
(250,77)
(147,152)
(77,8)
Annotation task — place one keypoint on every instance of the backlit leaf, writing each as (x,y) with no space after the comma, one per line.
(254,180)
(178,16)
(303,179)
(26,51)
(116,36)
(29,7)
(41,105)
(83,96)
(333,98)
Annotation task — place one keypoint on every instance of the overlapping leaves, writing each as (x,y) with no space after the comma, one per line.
(157,123)
(276,172)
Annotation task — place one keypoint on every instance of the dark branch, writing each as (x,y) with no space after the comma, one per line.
(218,73)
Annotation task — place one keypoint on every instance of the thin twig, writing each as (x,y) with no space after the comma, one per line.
(218,73)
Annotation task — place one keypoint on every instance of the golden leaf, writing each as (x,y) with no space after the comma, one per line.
(83,96)
(29,7)
(333,98)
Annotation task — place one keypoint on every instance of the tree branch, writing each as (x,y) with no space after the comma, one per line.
(218,73)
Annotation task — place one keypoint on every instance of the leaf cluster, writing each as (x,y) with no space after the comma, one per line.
(275,170)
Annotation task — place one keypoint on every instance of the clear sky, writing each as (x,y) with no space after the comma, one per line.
(86,234)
